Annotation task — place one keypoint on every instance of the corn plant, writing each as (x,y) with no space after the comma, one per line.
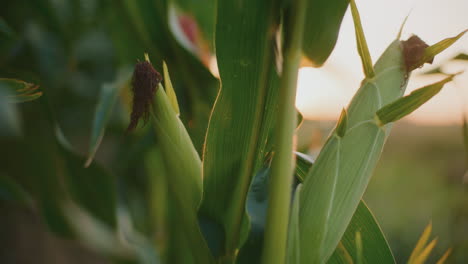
(243,195)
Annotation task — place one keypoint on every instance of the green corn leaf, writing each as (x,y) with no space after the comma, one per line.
(407,104)
(92,188)
(437,48)
(375,249)
(361,42)
(170,90)
(241,119)
(323,21)
(19,91)
(107,99)
(182,163)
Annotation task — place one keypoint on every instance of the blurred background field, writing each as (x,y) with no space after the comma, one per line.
(71,49)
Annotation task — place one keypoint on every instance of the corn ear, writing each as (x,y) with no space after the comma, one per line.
(181,158)
(182,163)
(338,179)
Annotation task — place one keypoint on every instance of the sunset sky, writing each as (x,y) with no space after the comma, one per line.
(323,92)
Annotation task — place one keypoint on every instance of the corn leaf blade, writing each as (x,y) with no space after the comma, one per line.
(182,162)
(323,21)
(407,104)
(335,184)
(440,46)
(238,127)
(375,249)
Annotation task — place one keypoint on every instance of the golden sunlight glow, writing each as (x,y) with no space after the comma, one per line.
(323,92)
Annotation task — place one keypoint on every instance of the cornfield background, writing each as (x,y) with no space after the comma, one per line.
(71,131)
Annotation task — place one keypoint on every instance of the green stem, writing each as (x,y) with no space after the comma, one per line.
(276,229)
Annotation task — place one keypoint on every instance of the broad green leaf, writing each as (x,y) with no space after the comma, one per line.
(170,90)
(107,98)
(361,42)
(92,188)
(335,184)
(237,132)
(323,21)
(375,246)
(12,191)
(407,104)
(19,91)
(183,169)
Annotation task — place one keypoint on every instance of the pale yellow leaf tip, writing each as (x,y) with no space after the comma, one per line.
(170,89)
(421,243)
